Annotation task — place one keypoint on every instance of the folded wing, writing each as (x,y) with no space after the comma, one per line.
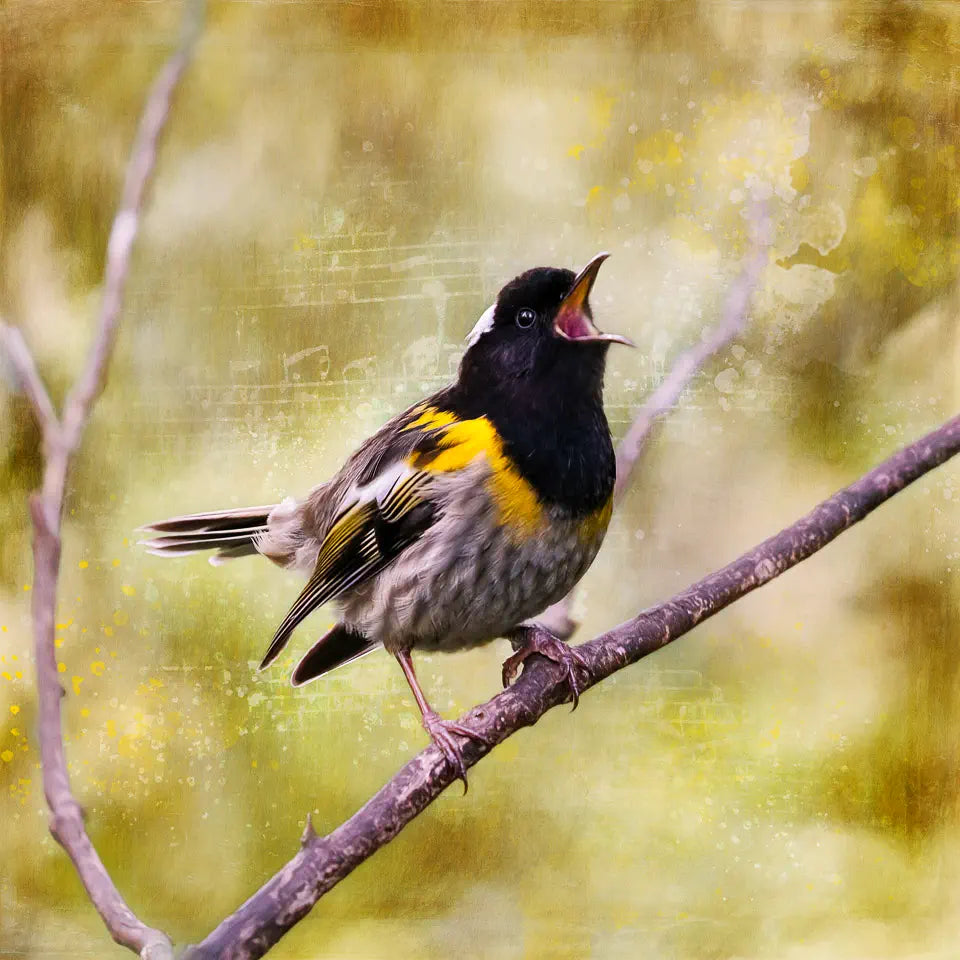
(384,518)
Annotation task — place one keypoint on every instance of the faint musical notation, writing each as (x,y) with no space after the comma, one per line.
(319,366)
(409,304)
(678,704)
(683,703)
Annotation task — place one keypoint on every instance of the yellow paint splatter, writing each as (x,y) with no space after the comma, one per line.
(14,708)
(83,564)
(595,193)
(97,668)
(128,590)
(6,756)
(799,175)
(61,667)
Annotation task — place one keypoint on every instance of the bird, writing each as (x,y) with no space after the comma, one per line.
(465,516)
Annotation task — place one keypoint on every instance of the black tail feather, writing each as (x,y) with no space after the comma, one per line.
(232,533)
(338,646)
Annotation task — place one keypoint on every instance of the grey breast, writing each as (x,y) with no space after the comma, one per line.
(468,580)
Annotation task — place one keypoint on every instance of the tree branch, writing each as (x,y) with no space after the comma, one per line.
(21,359)
(322,862)
(126,225)
(61,438)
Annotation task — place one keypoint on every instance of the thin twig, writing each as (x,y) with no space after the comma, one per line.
(322,862)
(736,311)
(126,224)
(733,320)
(21,359)
(61,438)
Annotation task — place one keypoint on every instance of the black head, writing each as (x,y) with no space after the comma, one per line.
(534,368)
(540,327)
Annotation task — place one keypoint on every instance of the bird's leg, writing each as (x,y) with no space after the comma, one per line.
(531,638)
(441,731)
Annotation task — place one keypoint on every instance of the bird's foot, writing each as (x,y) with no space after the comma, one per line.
(443,732)
(537,639)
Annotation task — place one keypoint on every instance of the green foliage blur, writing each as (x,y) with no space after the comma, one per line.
(342,190)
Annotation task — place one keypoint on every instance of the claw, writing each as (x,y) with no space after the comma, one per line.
(537,639)
(441,731)
(442,734)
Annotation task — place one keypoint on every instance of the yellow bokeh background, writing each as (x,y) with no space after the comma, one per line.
(342,189)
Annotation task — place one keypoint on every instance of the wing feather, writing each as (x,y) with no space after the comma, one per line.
(362,541)
(380,503)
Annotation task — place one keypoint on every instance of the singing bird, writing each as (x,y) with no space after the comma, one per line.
(465,516)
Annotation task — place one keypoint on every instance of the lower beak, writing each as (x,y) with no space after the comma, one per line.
(573,320)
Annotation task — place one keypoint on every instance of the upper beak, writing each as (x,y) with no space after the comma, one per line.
(573,320)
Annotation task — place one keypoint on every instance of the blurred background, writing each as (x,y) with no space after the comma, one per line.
(342,190)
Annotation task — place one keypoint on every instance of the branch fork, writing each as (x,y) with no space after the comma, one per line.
(61,437)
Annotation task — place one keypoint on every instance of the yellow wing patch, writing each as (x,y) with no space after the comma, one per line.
(430,419)
(462,441)
(595,524)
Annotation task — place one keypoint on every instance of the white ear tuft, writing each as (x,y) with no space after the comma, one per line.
(483,325)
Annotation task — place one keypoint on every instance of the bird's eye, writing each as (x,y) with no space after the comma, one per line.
(526,317)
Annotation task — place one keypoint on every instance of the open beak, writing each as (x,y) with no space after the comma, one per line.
(573,320)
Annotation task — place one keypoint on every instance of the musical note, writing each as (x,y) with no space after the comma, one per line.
(363,368)
(321,364)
